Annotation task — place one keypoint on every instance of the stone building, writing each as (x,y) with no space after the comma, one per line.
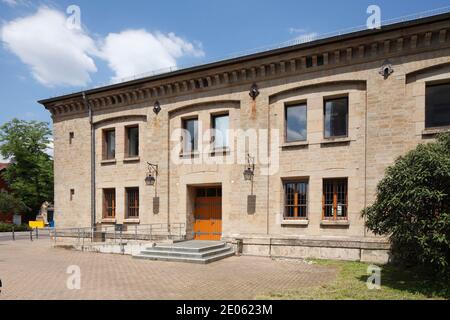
(332,114)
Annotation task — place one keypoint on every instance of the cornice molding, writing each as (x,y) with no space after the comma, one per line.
(364,50)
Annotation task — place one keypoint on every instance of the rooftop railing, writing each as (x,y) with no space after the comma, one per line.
(299,40)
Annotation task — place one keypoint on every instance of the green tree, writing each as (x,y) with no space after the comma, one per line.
(413,206)
(30,173)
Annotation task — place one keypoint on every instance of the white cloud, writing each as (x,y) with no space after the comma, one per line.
(57,55)
(11,3)
(133,52)
(63,56)
(50,148)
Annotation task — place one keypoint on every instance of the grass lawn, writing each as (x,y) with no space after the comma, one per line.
(351,280)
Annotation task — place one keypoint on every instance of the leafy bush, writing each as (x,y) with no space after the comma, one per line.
(6,227)
(413,206)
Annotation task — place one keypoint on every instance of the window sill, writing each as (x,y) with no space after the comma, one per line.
(132,159)
(434,131)
(109,220)
(329,141)
(187,155)
(300,222)
(343,223)
(220,152)
(131,221)
(108,161)
(294,144)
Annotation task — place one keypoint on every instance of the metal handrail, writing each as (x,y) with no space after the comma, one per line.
(147,232)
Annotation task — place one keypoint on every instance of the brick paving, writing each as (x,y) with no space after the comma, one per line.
(36,270)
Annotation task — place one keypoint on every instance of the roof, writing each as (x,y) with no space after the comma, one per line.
(259,55)
(3,166)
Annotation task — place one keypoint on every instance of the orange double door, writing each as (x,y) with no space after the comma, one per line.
(208,213)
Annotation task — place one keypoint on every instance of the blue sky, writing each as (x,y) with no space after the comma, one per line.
(39,59)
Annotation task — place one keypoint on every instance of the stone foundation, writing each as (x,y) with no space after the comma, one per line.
(372,250)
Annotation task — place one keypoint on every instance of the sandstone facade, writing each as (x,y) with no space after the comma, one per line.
(386,118)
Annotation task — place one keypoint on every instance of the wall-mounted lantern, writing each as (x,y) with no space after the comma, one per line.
(249,172)
(156,107)
(152,174)
(254,92)
(150,180)
(386,69)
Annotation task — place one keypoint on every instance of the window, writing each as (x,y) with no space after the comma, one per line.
(72,193)
(335,199)
(320,60)
(296,200)
(132,141)
(336,118)
(71,137)
(437,110)
(109,203)
(296,123)
(220,124)
(109,144)
(132,202)
(190,137)
(210,192)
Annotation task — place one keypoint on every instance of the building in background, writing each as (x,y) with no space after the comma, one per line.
(3,184)
(334,113)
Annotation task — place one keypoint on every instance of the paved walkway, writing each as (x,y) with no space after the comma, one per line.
(35,270)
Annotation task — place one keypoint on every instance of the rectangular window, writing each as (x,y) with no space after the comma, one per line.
(72,193)
(109,203)
(296,123)
(132,141)
(109,144)
(220,124)
(437,110)
(71,137)
(296,200)
(335,199)
(132,202)
(190,137)
(336,118)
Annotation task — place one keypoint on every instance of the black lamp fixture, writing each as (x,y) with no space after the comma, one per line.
(386,69)
(152,174)
(249,172)
(156,107)
(254,92)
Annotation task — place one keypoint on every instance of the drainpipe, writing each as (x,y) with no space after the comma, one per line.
(366,130)
(91,122)
(268,176)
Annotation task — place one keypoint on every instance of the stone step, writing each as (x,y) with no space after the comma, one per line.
(186,259)
(181,253)
(180,248)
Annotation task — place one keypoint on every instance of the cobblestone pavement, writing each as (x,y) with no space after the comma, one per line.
(35,270)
